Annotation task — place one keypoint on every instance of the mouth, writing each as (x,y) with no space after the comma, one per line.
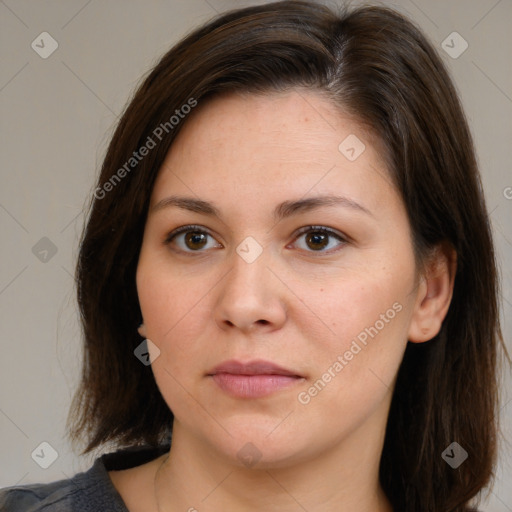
(254,379)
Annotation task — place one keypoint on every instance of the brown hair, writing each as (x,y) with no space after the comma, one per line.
(376,65)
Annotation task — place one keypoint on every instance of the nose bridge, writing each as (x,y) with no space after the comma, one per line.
(249,293)
(248,264)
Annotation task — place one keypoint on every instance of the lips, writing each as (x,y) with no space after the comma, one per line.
(254,379)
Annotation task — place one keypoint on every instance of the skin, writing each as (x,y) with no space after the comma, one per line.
(293,305)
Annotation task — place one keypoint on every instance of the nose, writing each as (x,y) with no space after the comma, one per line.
(250,297)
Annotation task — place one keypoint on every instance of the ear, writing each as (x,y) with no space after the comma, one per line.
(142,330)
(434,294)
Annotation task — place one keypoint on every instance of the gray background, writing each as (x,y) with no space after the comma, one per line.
(57,116)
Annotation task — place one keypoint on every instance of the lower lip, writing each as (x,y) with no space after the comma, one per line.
(253,386)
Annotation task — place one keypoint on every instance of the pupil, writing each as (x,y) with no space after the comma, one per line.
(195,239)
(317,238)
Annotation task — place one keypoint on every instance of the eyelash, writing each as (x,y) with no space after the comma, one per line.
(306,229)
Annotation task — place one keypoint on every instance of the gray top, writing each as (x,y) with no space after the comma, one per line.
(90,491)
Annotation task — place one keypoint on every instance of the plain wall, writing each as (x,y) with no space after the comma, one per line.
(57,115)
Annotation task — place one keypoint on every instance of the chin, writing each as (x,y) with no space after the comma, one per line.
(262,445)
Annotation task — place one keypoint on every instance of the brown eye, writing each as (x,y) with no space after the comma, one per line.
(319,238)
(195,239)
(191,239)
(317,241)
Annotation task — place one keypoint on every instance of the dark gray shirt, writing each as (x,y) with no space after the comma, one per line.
(90,491)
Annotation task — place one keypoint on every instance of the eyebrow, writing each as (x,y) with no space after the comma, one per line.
(282,210)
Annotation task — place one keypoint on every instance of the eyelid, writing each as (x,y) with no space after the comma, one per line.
(184,229)
(188,227)
(323,229)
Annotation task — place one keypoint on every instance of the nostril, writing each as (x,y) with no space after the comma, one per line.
(260,322)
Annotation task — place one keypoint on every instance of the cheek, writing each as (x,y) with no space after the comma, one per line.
(174,315)
(367,316)
(174,308)
(359,302)
(353,374)
(166,298)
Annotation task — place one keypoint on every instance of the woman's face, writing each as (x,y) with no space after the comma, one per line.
(282,312)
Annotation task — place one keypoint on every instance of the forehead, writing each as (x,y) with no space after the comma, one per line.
(291,122)
(292,141)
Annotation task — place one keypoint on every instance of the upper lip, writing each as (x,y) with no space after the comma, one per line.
(256,367)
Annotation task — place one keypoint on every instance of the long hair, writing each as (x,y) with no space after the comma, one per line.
(376,65)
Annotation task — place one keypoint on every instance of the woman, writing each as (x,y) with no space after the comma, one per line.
(288,269)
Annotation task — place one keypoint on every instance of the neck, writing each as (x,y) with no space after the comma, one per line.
(194,478)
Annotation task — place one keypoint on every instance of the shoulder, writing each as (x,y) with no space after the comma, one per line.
(90,491)
(38,497)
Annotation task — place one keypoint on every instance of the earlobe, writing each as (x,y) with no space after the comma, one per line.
(434,294)
(142,330)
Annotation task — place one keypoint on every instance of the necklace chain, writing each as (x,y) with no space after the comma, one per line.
(155,482)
